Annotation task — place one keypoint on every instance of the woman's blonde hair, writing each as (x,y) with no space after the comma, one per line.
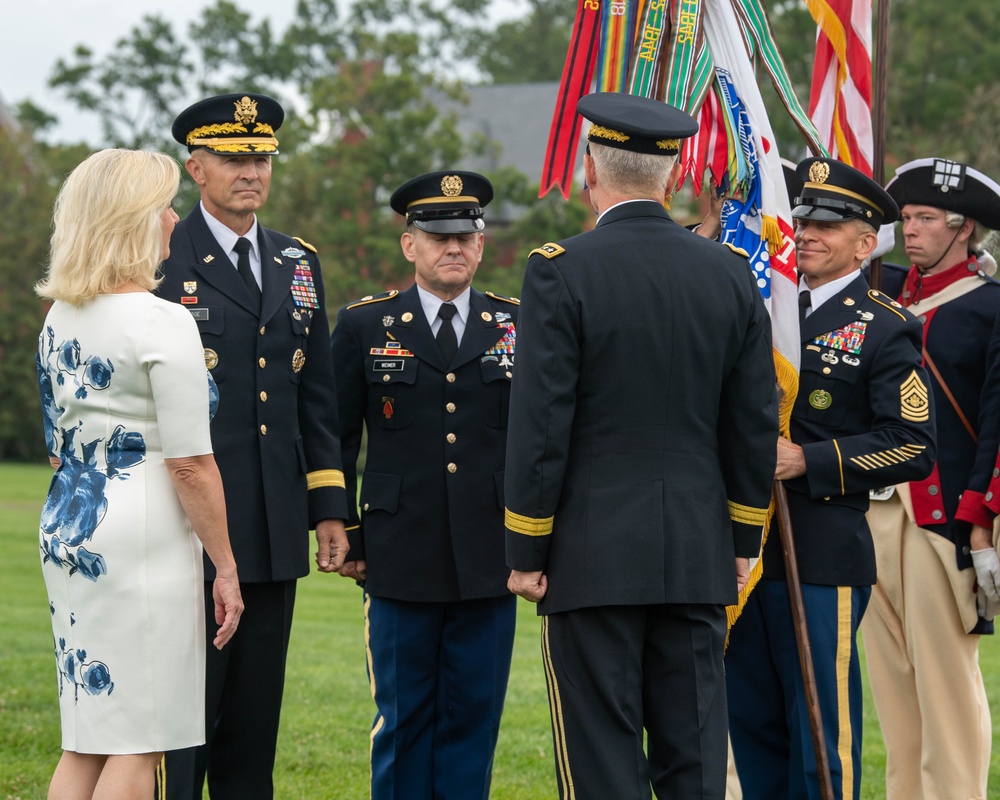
(106,227)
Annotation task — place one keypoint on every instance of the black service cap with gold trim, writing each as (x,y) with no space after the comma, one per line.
(444,202)
(832,191)
(950,185)
(635,123)
(231,124)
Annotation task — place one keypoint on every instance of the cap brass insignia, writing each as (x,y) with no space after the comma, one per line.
(820,400)
(298,360)
(246,111)
(913,402)
(819,172)
(211,358)
(451,186)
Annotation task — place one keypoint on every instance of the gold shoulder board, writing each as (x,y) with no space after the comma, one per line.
(500,297)
(887,302)
(550,250)
(306,244)
(378,298)
(738,250)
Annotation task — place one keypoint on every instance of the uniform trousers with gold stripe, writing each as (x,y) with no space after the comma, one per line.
(613,671)
(438,674)
(923,666)
(769,726)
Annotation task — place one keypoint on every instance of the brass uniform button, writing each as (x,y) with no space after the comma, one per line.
(452,438)
(263,397)
(386,379)
(826,370)
(453,468)
(509,374)
(262,361)
(450,377)
(366,506)
(932,490)
(307,330)
(936,514)
(263,430)
(262,329)
(450,408)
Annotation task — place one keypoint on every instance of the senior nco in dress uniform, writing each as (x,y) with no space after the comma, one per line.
(643,422)
(863,416)
(934,538)
(257,296)
(428,372)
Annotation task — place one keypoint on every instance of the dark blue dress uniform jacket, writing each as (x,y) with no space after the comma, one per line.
(275,434)
(431,527)
(865,419)
(963,339)
(641,451)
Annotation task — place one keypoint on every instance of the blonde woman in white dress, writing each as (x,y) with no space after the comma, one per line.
(136,494)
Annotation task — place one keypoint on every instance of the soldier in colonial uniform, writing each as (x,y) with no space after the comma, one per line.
(863,417)
(257,296)
(938,571)
(427,372)
(639,468)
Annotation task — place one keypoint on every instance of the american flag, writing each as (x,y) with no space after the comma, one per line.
(840,100)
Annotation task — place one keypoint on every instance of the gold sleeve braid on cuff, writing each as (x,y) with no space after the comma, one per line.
(747,514)
(325,477)
(529,526)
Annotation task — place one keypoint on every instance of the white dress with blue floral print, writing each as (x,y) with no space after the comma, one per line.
(123,386)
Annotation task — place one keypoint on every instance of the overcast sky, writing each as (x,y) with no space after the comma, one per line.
(34,33)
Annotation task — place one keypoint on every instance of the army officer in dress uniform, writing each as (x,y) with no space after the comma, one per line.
(257,296)
(427,372)
(863,417)
(642,431)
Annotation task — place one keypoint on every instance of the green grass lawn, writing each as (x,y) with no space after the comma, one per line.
(323,747)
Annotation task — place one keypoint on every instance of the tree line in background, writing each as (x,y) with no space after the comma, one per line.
(364,91)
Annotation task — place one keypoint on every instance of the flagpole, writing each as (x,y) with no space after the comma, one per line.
(879,112)
(802,640)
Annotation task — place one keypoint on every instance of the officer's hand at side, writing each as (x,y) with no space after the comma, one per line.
(357,570)
(987,566)
(791,460)
(331,545)
(742,573)
(529,585)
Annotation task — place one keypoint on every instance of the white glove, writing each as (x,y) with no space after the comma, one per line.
(987,565)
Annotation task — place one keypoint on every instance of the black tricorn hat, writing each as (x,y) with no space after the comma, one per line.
(832,191)
(231,124)
(635,123)
(949,185)
(446,202)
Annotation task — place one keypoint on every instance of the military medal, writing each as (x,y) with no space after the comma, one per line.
(505,347)
(820,399)
(849,338)
(303,287)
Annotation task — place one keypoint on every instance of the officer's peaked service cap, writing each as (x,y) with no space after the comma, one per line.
(445,202)
(949,185)
(635,123)
(832,191)
(241,124)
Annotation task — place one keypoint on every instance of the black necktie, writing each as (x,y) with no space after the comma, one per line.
(805,301)
(242,248)
(446,338)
